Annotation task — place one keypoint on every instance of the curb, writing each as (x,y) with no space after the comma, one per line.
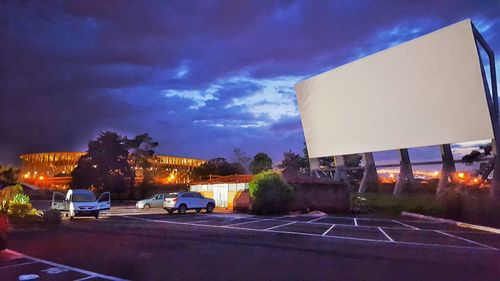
(457,223)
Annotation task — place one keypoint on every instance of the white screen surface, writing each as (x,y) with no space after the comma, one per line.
(427,91)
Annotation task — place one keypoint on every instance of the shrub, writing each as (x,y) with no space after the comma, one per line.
(20,210)
(51,216)
(20,198)
(453,204)
(389,204)
(271,195)
(6,196)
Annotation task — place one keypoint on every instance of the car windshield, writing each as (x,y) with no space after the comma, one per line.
(83,198)
(171,195)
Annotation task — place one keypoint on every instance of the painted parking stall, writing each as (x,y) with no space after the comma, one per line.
(17,266)
(408,232)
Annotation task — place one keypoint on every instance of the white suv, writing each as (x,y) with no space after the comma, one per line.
(184,201)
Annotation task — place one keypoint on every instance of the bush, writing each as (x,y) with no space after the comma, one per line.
(6,196)
(453,204)
(20,198)
(270,194)
(51,216)
(20,210)
(390,204)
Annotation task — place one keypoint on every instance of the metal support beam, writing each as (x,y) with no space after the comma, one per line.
(370,175)
(405,172)
(448,167)
(314,167)
(492,99)
(340,170)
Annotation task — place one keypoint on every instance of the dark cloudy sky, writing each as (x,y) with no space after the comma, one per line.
(202,77)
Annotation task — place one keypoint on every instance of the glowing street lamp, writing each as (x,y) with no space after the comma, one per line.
(43,182)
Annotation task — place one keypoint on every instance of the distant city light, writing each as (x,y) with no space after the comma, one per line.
(461,175)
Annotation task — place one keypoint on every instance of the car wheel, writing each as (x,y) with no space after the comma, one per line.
(71,217)
(146,207)
(182,209)
(170,211)
(198,210)
(96,216)
(210,207)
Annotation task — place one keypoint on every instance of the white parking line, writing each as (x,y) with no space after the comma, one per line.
(467,240)
(316,219)
(273,227)
(328,230)
(254,220)
(85,278)
(86,272)
(19,264)
(410,226)
(383,232)
(355,222)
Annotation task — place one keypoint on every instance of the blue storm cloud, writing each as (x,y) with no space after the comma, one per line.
(202,77)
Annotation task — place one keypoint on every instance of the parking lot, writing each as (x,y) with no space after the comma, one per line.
(409,232)
(17,266)
(133,244)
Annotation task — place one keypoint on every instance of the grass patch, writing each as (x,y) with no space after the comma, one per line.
(386,203)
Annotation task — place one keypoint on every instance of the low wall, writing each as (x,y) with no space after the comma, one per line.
(328,198)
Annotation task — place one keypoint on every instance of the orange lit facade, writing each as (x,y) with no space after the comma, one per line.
(53,169)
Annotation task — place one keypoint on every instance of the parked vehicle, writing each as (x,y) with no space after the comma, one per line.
(155,201)
(4,228)
(80,203)
(184,201)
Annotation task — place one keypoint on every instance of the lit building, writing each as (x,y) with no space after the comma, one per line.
(53,169)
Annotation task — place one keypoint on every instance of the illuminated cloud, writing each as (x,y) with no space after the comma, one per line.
(201,77)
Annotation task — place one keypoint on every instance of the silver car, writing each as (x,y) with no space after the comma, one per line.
(184,201)
(154,201)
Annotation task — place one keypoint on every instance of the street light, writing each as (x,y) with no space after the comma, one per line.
(43,182)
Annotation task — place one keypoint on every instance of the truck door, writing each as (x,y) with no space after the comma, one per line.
(59,202)
(104,201)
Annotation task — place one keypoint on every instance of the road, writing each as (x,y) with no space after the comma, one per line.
(155,246)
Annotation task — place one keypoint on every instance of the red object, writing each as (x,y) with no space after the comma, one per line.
(4,223)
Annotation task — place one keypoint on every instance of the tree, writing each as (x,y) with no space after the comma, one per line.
(105,166)
(219,167)
(141,152)
(8,175)
(261,162)
(293,163)
(354,161)
(243,159)
(476,155)
(307,166)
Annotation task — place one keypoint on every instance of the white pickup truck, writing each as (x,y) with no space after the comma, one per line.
(80,203)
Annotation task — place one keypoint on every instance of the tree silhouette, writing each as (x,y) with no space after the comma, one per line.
(261,162)
(219,167)
(293,163)
(105,165)
(141,153)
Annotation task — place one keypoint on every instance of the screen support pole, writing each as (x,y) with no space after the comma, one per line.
(405,172)
(370,175)
(492,99)
(448,167)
